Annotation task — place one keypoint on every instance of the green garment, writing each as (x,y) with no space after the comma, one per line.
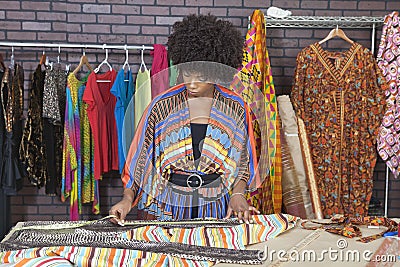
(142,95)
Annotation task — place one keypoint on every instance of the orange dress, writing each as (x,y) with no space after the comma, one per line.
(340,97)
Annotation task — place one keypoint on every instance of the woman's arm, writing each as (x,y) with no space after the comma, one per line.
(239,187)
(122,208)
(238,204)
(134,168)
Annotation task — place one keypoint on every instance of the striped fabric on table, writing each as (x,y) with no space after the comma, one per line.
(67,256)
(82,256)
(236,237)
(148,233)
(265,227)
(45,261)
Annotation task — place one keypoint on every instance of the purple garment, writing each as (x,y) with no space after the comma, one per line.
(388,60)
(159,78)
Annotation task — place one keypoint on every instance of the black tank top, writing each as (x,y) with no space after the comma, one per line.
(198,134)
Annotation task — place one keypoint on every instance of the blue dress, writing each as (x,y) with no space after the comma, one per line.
(123,91)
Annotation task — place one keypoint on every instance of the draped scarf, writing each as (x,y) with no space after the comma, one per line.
(162,145)
(254,82)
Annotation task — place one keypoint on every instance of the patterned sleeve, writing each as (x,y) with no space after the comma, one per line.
(244,171)
(297,96)
(248,161)
(136,166)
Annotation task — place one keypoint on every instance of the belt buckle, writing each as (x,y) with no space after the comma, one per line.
(196,179)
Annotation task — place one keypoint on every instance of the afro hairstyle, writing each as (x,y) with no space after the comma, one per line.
(202,39)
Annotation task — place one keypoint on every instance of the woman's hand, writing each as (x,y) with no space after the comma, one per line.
(122,208)
(240,208)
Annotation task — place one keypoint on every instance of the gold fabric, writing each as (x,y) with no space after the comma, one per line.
(295,177)
(305,148)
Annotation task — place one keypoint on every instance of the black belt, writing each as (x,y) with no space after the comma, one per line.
(193,180)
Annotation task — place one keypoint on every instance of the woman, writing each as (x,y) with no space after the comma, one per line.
(193,155)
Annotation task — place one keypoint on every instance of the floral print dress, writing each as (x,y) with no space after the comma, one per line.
(340,98)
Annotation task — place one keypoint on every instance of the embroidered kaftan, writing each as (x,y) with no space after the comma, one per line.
(341,103)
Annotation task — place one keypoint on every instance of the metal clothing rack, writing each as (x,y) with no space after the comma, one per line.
(322,22)
(83,46)
(329,22)
(66,45)
(4,199)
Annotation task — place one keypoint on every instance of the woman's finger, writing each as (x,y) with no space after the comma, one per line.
(251,208)
(114,219)
(119,219)
(229,213)
(240,216)
(246,216)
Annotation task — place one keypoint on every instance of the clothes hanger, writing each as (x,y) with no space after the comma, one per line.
(67,68)
(126,63)
(12,58)
(336,32)
(58,58)
(105,61)
(84,61)
(43,59)
(142,64)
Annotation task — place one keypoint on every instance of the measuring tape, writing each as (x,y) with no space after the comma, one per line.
(298,247)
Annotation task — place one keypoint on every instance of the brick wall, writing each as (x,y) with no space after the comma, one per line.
(137,22)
